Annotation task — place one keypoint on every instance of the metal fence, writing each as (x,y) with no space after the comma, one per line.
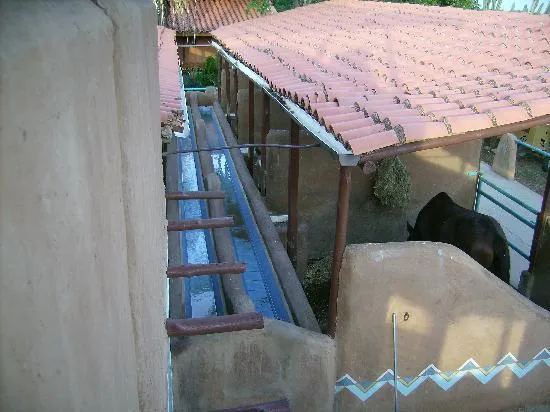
(530,223)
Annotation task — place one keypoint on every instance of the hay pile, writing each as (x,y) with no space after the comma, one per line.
(392,186)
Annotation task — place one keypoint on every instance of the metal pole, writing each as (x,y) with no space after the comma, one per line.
(536,256)
(293,175)
(250,162)
(478,195)
(395,391)
(264,132)
(344,189)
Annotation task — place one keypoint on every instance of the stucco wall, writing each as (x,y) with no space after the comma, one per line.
(195,57)
(431,171)
(449,309)
(82,232)
(242,368)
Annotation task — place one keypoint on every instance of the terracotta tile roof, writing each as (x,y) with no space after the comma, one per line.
(203,16)
(378,74)
(170,98)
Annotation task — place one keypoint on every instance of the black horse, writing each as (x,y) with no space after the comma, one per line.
(480,236)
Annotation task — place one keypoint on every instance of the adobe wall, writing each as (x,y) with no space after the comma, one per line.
(431,171)
(229,370)
(449,310)
(195,57)
(82,229)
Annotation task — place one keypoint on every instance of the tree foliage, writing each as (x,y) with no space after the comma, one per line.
(263,6)
(260,6)
(463,4)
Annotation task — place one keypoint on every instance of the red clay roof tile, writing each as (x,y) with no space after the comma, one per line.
(203,16)
(168,72)
(423,72)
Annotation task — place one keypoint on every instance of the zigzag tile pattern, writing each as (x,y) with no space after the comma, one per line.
(445,380)
(380,74)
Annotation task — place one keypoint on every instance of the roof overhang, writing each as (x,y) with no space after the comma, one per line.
(327,140)
(475,96)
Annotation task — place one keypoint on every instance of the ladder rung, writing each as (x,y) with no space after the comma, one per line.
(212,223)
(209,194)
(214,324)
(189,270)
(277,406)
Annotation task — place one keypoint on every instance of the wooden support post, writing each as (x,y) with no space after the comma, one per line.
(219,68)
(235,105)
(190,270)
(344,190)
(264,132)
(293,177)
(227,88)
(250,162)
(214,324)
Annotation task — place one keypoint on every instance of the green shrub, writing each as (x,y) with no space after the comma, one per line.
(206,76)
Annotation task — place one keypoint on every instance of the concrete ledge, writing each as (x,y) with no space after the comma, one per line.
(240,368)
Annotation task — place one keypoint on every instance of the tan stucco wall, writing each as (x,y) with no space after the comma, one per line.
(457,310)
(195,57)
(82,232)
(242,368)
(431,171)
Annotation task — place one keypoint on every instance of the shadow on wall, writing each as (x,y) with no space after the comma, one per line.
(486,343)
